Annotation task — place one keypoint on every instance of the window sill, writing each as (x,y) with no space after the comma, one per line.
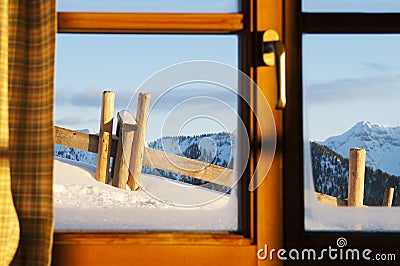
(152,249)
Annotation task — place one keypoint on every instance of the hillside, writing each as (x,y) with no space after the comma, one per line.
(61,151)
(216,148)
(330,173)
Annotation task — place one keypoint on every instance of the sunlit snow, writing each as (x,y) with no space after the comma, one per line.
(82,203)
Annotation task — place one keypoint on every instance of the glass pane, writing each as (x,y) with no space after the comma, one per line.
(198,120)
(188,6)
(367,6)
(351,100)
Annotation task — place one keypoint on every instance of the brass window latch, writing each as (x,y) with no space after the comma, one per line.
(273,52)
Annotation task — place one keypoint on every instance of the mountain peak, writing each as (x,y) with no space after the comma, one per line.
(87,131)
(381,143)
(366,125)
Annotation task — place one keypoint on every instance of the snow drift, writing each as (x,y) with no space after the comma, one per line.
(82,203)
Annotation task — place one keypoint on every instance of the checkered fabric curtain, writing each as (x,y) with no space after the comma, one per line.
(9,226)
(28,29)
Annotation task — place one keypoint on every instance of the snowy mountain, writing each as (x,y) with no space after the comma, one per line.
(330,161)
(75,154)
(381,143)
(87,131)
(214,148)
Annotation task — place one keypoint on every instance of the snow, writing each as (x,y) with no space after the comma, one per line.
(323,218)
(82,203)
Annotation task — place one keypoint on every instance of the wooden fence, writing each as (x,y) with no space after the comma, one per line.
(129,151)
(355,184)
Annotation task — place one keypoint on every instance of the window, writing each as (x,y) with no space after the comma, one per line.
(278,205)
(256,226)
(324,35)
(350,103)
(196,120)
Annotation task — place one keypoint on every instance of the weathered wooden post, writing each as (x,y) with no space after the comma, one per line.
(388,197)
(135,166)
(105,136)
(125,128)
(356,177)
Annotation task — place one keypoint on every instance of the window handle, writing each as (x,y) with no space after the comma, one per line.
(274,54)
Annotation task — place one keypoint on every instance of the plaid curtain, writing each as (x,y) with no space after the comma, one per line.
(28,29)
(9,227)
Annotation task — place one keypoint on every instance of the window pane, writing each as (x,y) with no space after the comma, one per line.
(368,6)
(196,120)
(351,100)
(188,6)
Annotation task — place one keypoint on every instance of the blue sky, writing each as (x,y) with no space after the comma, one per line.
(88,64)
(350,78)
(346,78)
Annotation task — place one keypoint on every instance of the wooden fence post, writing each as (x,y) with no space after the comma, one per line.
(356,177)
(125,128)
(135,166)
(388,197)
(105,136)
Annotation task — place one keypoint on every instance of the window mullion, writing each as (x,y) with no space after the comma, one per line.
(331,23)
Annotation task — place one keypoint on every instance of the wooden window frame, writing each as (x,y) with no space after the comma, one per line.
(298,23)
(187,248)
(73,248)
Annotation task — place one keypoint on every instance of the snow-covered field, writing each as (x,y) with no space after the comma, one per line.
(82,203)
(323,218)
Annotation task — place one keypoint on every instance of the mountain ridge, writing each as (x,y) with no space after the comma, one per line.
(381,143)
(330,162)
(330,175)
